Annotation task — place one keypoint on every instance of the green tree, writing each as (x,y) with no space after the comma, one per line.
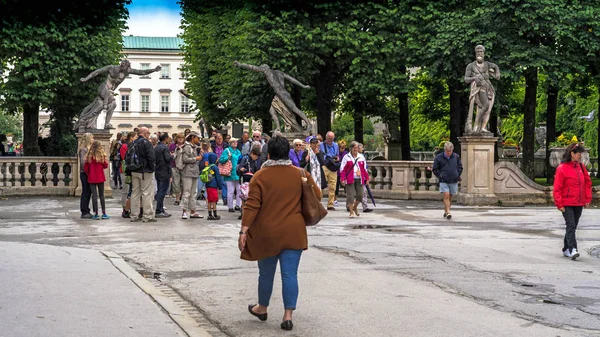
(11,124)
(48,48)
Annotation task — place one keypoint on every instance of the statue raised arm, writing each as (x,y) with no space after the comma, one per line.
(276,79)
(105,99)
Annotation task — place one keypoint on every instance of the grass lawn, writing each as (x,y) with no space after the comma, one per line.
(542,181)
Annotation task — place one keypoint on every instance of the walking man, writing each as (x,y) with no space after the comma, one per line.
(448,168)
(163,173)
(331,152)
(141,179)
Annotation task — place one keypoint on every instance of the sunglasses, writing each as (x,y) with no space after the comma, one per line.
(255,136)
(298,144)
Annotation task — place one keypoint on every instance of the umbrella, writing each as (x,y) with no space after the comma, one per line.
(370,195)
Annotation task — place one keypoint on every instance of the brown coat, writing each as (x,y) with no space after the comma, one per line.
(273,212)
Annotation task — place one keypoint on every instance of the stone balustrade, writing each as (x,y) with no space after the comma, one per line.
(38,175)
(403,180)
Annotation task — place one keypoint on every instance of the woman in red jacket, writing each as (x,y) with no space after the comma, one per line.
(95,163)
(572,192)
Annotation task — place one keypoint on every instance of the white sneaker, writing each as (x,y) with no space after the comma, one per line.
(184,215)
(335,203)
(566,253)
(574,254)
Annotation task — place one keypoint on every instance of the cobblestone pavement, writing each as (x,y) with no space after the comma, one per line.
(401,270)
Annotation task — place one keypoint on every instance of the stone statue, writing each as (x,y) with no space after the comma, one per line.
(282,102)
(105,99)
(478,74)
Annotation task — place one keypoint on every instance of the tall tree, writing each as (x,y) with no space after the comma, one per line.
(46,48)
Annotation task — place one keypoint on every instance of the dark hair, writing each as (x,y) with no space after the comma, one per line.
(256,150)
(279,148)
(130,135)
(163,136)
(575,147)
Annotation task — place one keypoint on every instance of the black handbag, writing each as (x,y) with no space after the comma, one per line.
(330,162)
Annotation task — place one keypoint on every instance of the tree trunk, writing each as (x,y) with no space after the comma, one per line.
(550,130)
(531,83)
(324,89)
(456,91)
(359,134)
(494,129)
(31,118)
(404,125)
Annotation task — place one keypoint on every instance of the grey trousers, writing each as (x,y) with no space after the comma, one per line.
(142,187)
(189,192)
(354,192)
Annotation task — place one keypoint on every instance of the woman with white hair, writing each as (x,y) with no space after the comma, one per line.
(86,192)
(296,152)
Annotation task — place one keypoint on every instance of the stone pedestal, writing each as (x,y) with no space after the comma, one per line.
(477,155)
(103,136)
(290,136)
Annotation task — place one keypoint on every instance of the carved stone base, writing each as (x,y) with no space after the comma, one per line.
(477,186)
(103,136)
(290,136)
(473,199)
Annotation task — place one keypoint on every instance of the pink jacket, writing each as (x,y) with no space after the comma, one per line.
(347,169)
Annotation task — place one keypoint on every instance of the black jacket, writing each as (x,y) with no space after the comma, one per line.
(448,170)
(146,154)
(321,160)
(250,166)
(163,161)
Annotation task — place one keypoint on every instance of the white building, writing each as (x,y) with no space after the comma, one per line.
(153,101)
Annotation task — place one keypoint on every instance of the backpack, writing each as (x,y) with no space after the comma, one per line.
(208,174)
(132,159)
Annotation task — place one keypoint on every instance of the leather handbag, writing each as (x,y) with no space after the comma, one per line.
(313,210)
(225,168)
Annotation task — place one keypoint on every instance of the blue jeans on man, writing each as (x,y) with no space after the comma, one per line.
(162,188)
(223,190)
(288,264)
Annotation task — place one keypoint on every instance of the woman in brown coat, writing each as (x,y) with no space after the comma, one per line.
(273,228)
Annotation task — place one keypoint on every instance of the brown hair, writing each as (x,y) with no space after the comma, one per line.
(96,152)
(575,147)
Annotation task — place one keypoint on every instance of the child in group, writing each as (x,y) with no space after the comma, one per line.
(213,187)
(95,163)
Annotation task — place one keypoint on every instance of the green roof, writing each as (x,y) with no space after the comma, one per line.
(152,43)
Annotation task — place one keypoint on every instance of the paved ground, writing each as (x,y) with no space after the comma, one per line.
(402,270)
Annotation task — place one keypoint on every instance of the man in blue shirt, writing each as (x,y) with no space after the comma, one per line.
(448,168)
(331,153)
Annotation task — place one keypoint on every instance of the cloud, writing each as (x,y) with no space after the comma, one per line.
(153,23)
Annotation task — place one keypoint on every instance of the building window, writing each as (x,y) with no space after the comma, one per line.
(165,71)
(145,103)
(145,66)
(164,103)
(183,74)
(124,102)
(185,104)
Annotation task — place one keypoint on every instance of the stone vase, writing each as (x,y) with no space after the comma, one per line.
(509,151)
(556,154)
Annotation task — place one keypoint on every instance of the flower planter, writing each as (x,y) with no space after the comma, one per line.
(509,151)
(556,154)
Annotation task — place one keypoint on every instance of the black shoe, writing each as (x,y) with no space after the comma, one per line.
(332,208)
(237,208)
(367,210)
(224,202)
(231,210)
(176,203)
(217,217)
(86,216)
(287,325)
(240,217)
(262,317)
(126,215)
(210,217)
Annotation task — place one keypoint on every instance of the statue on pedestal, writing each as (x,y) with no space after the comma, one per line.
(105,99)
(282,104)
(478,74)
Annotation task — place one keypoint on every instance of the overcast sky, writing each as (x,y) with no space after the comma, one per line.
(153,18)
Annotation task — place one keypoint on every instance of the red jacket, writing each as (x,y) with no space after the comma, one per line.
(347,169)
(95,171)
(572,185)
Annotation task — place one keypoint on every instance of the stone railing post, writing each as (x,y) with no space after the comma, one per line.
(103,136)
(477,186)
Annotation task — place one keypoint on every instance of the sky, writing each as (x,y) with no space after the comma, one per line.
(154,18)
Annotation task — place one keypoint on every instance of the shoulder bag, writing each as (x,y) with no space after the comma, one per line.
(313,210)
(225,168)
(330,162)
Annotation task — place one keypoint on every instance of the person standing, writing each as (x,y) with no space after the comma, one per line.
(126,176)
(115,160)
(141,179)
(343,151)
(233,180)
(86,192)
(244,143)
(572,192)
(212,187)
(162,174)
(331,151)
(273,228)
(353,177)
(95,163)
(218,146)
(365,198)
(246,168)
(295,153)
(177,166)
(312,161)
(447,167)
(189,176)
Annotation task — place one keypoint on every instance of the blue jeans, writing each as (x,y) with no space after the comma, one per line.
(162,187)
(288,263)
(223,189)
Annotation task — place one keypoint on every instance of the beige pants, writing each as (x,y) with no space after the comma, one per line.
(176,181)
(354,192)
(331,182)
(190,190)
(142,187)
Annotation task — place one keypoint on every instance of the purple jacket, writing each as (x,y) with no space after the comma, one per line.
(295,157)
